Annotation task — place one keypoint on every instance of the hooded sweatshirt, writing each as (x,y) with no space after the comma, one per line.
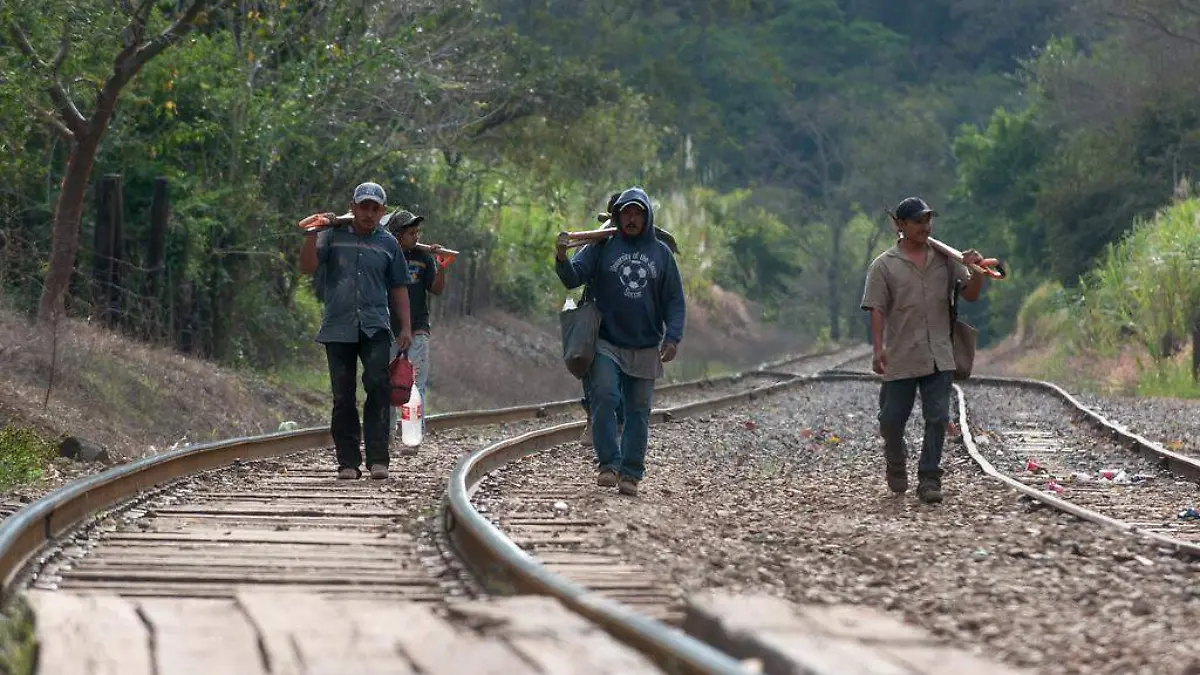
(635,282)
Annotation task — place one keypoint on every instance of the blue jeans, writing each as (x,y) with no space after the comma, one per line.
(586,401)
(613,390)
(896,400)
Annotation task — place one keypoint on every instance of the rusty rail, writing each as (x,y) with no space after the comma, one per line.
(505,567)
(1172,461)
(29,531)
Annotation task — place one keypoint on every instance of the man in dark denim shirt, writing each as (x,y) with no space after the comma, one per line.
(365,278)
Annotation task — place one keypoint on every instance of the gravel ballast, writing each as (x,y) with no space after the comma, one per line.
(788,497)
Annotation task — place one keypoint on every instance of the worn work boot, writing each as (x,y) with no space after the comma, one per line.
(347,473)
(929,490)
(379,471)
(606,478)
(627,486)
(897,477)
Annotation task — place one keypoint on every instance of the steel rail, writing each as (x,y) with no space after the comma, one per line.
(1170,460)
(503,567)
(27,532)
(466,418)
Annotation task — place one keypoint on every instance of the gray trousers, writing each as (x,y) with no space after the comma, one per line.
(896,400)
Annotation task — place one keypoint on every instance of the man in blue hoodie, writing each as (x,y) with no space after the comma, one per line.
(639,293)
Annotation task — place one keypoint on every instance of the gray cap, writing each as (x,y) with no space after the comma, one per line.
(372,191)
(404,219)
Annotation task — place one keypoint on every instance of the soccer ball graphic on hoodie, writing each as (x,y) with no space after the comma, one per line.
(634,276)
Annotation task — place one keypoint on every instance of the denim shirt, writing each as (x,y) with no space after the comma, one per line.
(360,271)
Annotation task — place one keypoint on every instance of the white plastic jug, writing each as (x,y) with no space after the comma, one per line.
(410,419)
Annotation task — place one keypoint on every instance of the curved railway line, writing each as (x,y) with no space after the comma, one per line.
(208,521)
(1075,458)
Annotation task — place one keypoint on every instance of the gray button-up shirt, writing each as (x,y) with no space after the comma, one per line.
(360,271)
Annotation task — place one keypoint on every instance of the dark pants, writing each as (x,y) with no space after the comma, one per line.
(613,390)
(343,368)
(895,405)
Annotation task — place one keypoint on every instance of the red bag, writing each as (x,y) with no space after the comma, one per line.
(401,375)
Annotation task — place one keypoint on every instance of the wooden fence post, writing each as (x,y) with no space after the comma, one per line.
(106,249)
(160,211)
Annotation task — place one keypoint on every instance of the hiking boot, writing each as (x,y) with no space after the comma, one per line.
(627,486)
(585,439)
(929,490)
(897,478)
(348,473)
(379,471)
(607,478)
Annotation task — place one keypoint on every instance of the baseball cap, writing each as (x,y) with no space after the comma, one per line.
(372,191)
(403,219)
(913,208)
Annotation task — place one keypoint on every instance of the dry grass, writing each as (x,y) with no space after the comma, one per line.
(132,398)
(136,399)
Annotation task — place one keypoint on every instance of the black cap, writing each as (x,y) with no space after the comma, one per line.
(913,208)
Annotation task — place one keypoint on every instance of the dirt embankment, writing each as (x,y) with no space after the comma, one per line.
(134,399)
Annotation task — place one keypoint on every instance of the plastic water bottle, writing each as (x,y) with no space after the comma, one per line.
(410,419)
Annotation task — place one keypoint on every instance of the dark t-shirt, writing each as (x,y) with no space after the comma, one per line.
(422,268)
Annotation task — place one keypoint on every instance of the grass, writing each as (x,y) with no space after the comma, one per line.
(304,378)
(23,454)
(1172,379)
(18,647)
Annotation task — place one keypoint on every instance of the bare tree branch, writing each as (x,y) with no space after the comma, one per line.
(172,34)
(71,117)
(1155,16)
(56,123)
(63,48)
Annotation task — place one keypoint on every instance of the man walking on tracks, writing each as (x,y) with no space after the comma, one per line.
(908,295)
(365,276)
(425,276)
(639,294)
(667,238)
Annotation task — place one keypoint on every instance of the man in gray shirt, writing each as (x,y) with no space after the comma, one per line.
(908,295)
(365,277)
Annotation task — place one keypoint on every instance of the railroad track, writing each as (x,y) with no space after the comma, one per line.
(572,549)
(208,522)
(1080,463)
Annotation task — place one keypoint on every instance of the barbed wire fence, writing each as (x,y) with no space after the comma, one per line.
(154,287)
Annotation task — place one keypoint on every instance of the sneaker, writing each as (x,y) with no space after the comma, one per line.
(379,471)
(897,478)
(585,439)
(408,450)
(607,478)
(930,491)
(628,486)
(348,473)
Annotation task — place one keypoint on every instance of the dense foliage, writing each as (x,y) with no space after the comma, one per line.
(773,133)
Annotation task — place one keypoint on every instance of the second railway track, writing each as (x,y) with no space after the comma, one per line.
(212,523)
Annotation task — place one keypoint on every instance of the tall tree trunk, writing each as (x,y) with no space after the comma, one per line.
(64,236)
(1196,352)
(835,291)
